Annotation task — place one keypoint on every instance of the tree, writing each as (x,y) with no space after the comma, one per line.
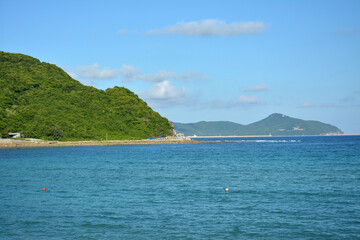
(5,133)
(57,133)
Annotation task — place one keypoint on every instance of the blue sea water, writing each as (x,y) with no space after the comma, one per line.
(279,188)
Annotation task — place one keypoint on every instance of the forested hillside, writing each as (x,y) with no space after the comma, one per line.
(276,124)
(40,100)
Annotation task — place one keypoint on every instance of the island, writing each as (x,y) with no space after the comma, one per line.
(276,124)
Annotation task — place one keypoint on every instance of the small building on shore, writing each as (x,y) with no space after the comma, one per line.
(14,135)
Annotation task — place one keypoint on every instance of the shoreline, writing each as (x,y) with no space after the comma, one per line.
(11,143)
(270,136)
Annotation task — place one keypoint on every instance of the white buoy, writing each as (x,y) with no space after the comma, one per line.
(226,190)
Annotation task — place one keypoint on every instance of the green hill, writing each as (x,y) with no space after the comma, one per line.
(203,128)
(276,124)
(40,100)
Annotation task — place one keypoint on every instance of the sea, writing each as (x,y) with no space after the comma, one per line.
(279,188)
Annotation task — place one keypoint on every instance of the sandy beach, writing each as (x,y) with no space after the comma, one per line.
(11,143)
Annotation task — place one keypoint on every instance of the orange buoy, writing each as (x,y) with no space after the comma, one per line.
(44,189)
(226,190)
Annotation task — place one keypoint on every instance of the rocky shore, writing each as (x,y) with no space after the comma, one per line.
(10,143)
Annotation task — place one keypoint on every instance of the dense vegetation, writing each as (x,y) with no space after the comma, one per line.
(40,100)
(276,124)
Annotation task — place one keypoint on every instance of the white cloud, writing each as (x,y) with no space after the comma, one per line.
(87,83)
(211,27)
(241,101)
(164,90)
(245,100)
(93,72)
(307,105)
(130,74)
(258,88)
(73,75)
(165,94)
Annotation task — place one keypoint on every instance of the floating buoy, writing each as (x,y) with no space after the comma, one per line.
(44,189)
(226,190)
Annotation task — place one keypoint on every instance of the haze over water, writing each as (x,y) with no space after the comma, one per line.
(293,187)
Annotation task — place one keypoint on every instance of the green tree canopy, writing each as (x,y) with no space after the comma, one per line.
(40,100)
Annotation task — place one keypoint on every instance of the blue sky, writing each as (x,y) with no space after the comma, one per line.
(238,60)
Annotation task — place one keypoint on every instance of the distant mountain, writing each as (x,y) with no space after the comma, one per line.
(40,100)
(276,124)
